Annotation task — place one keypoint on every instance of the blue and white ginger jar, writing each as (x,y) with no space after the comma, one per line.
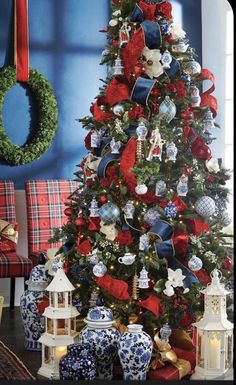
(102,339)
(135,351)
(77,364)
(33,322)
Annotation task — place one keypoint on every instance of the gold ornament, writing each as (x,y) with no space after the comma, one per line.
(139,150)
(120,327)
(133,318)
(135,289)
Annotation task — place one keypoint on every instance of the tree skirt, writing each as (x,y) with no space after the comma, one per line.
(11,368)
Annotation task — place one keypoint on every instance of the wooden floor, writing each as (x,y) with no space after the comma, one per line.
(12,335)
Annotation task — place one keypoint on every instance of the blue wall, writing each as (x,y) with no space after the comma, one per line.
(66,47)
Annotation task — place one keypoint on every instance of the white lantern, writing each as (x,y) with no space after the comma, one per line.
(60,324)
(214,339)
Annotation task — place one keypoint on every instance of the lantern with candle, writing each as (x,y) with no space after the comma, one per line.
(60,324)
(214,333)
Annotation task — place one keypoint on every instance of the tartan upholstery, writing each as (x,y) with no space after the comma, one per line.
(7,201)
(12,265)
(45,201)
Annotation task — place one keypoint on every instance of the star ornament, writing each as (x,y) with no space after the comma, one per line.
(151,62)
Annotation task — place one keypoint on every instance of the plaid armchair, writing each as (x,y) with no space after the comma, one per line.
(45,201)
(12,265)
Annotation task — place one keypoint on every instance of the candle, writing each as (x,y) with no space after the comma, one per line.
(60,351)
(214,353)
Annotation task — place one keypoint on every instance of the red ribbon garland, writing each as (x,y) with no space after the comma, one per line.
(21,40)
(116,92)
(132,51)
(208,100)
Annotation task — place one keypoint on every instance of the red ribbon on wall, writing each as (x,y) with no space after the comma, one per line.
(21,40)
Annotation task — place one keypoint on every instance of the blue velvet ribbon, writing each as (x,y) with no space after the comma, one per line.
(137,14)
(105,161)
(174,68)
(152,34)
(142,89)
(165,249)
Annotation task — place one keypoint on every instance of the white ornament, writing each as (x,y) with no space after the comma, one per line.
(155,150)
(115,146)
(127,259)
(167,109)
(182,186)
(113,22)
(141,131)
(118,109)
(99,270)
(144,242)
(175,277)
(205,206)
(226,219)
(118,69)
(195,97)
(180,47)
(212,165)
(166,59)
(143,279)
(195,263)
(151,62)
(141,189)
(94,210)
(169,290)
(171,151)
(95,140)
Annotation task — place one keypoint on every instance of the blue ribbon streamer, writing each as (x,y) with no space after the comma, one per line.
(103,164)
(174,68)
(141,90)
(152,34)
(137,14)
(165,249)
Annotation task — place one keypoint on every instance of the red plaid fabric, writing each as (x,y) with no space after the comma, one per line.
(7,201)
(12,265)
(45,211)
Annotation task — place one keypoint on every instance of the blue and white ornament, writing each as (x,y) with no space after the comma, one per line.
(167,109)
(195,97)
(193,68)
(182,186)
(141,131)
(171,151)
(129,210)
(166,59)
(144,242)
(152,216)
(99,270)
(170,210)
(195,263)
(94,210)
(160,188)
(205,206)
(225,219)
(109,213)
(165,332)
(95,139)
(143,280)
(165,28)
(185,76)
(141,189)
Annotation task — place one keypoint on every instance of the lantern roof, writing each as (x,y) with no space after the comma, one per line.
(60,282)
(215,287)
(214,325)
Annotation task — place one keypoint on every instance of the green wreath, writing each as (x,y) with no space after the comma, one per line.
(43,134)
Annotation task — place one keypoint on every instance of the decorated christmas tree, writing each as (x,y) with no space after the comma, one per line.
(146,225)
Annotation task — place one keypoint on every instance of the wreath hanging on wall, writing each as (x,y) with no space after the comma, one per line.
(47,119)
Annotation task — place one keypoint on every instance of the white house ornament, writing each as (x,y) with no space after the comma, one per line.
(143,281)
(195,97)
(160,188)
(167,109)
(212,165)
(171,151)
(195,263)
(205,206)
(99,270)
(94,210)
(182,186)
(155,150)
(166,59)
(118,68)
(151,62)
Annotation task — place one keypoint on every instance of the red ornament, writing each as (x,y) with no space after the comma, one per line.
(68,211)
(103,198)
(80,223)
(227,264)
(200,150)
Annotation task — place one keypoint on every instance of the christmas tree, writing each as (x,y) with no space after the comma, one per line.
(146,225)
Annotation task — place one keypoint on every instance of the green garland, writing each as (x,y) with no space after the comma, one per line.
(47,121)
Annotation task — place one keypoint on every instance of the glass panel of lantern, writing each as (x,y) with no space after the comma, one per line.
(214,349)
(73,325)
(49,326)
(229,353)
(47,354)
(60,297)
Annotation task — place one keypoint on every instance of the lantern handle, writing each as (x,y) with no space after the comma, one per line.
(216,274)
